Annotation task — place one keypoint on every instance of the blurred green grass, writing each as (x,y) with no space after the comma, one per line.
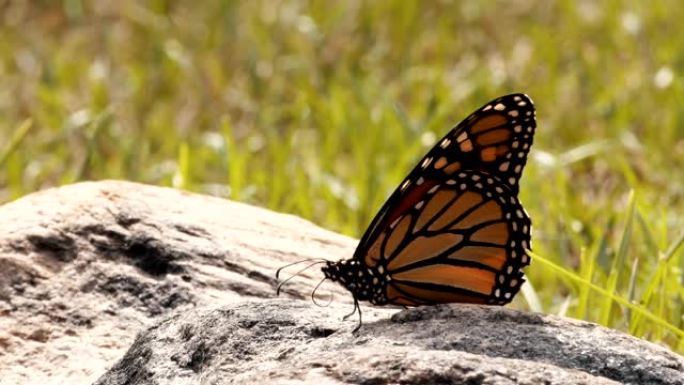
(320,108)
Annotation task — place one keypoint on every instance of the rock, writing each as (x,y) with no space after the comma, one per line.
(87,266)
(287,342)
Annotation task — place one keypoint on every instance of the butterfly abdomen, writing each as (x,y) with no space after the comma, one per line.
(366,284)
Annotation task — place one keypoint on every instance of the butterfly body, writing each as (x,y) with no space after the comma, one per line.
(366,284)
(454,230)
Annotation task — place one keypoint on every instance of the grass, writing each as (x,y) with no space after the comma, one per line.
(320,108)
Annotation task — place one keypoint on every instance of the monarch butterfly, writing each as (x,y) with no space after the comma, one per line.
(454,230)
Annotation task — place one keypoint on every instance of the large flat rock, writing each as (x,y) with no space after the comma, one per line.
(87,267)
(286,341)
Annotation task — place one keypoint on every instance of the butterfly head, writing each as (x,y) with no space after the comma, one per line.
(361,281)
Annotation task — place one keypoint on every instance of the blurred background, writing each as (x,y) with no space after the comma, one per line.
(320,108)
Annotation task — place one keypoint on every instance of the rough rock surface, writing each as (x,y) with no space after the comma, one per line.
(84,268)
(285,341)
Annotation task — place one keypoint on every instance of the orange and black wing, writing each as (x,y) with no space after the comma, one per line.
(495,140)
(462,240)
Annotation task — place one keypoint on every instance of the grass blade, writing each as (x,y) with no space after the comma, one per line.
(17,137)
(587,273)
(618,263)
(610,294)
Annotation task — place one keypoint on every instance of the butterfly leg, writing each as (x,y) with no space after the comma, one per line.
(356,305)
(356,329)
(356,308)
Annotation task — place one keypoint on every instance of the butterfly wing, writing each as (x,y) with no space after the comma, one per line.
(465,240)
(494,139)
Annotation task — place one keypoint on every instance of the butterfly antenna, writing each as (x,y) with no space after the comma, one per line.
(296,263)
(313,295)
(280,285)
